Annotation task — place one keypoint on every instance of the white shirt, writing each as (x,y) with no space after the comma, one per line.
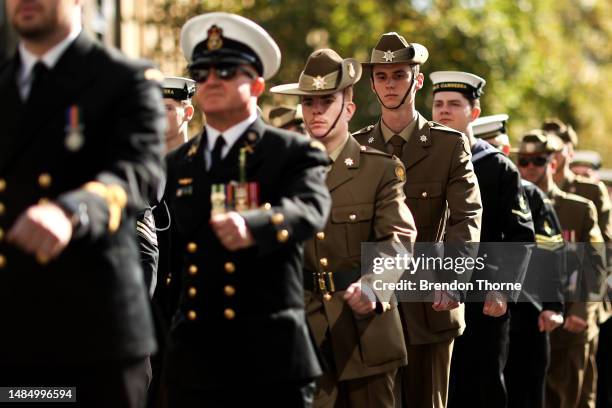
(50,58)
(230,135)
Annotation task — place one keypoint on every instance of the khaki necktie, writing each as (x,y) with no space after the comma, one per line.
(398,143)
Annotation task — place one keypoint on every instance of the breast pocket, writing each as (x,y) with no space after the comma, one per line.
(354,224)
(424,201)
(189,207)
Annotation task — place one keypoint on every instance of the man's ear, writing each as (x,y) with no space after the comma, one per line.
(189,111)
(420,79)
(553,163)
(349,109)
(258,86)
(475,112)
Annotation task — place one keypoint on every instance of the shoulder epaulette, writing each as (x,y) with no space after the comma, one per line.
(371,150)
(438,126)
(587,181)
(575,198)
(364,130)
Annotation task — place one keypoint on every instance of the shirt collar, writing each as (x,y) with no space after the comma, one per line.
(50,58)
(404,134)
(334,155)
(230,135)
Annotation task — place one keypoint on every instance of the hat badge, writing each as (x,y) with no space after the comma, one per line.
(389,56)
(214,41)
(351,71)
(318,82)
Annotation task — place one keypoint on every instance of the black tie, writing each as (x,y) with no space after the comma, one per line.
(39,74)
(398,143)
(215,157)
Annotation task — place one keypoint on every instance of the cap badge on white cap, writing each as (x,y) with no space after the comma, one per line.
(214,38)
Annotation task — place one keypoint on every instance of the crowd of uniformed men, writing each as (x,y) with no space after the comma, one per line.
(250,240)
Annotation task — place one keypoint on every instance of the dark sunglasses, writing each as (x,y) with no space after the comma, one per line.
(223,72)
(538,161)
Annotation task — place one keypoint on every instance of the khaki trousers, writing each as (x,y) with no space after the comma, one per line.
(571,381)
(424,381)
(375,391)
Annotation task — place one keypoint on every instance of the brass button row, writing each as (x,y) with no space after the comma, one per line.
(192,247)
(44,181)
(229,268)
(2,261)
(320,236)
(228,313)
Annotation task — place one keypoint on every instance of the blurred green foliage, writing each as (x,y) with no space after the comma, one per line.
(540,58)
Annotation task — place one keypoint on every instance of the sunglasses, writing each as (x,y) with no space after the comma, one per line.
(538,161)
(223,72)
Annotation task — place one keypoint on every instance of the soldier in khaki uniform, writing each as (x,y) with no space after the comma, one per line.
(442,193)
(571,381)
(363,344)
(592,190)
(288,118)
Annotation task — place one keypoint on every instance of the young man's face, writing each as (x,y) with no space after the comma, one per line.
(37,19)
(392,81)
(534,167)
(453,110)
(216,95)
(176,115)
(320,113)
